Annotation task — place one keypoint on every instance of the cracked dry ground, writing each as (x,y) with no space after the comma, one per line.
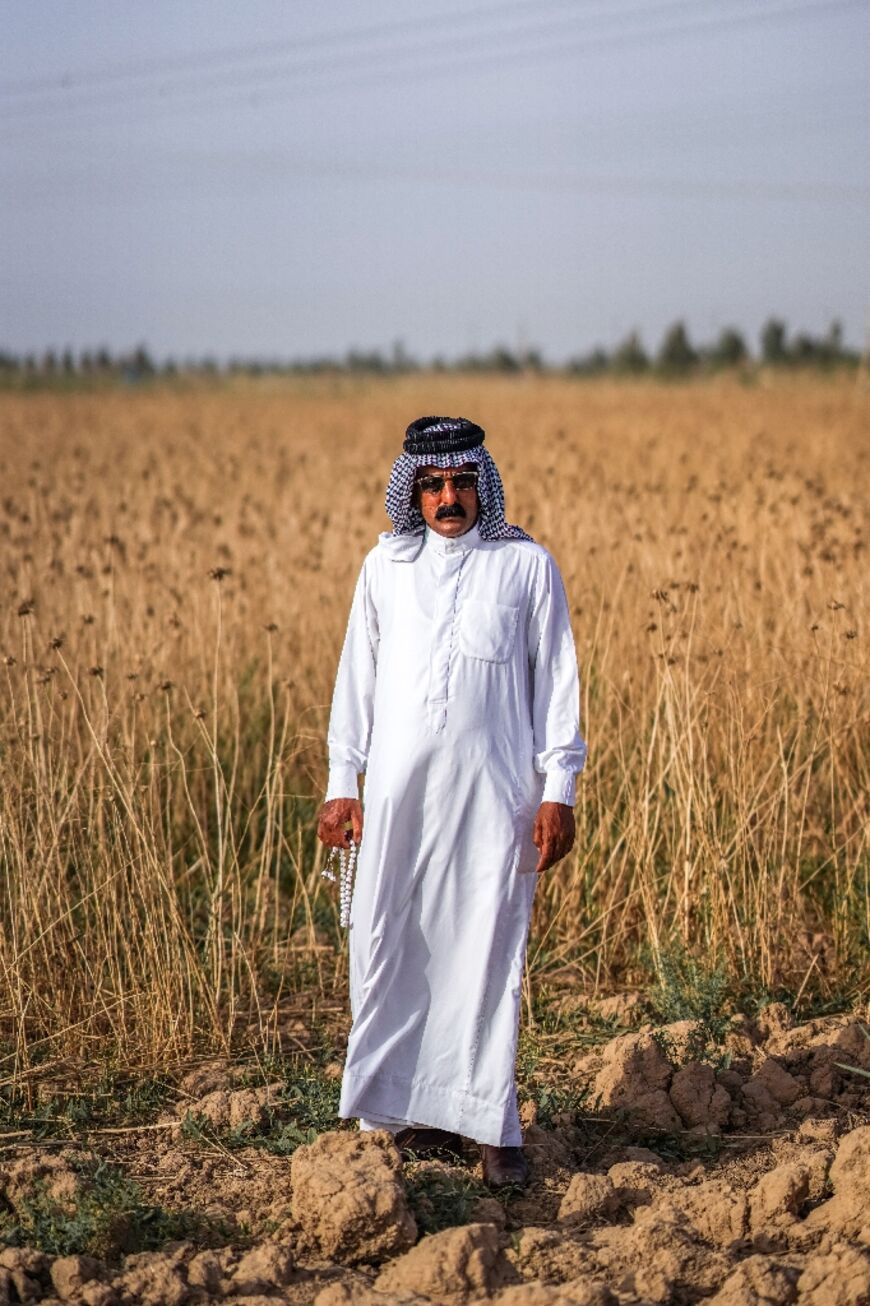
(738,1180)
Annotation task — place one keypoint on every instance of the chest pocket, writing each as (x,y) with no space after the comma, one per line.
(487,630)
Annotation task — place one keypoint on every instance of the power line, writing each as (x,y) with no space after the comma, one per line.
(255,77)
(195,60)
(564,183)
(399,72)
(666,187)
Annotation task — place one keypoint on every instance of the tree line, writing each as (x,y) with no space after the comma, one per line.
(678,356)
(675,357)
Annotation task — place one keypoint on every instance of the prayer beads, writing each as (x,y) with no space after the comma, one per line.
(346,858)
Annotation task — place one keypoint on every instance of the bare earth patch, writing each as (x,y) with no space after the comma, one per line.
(738,1178)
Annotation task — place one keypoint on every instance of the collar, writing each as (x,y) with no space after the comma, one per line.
(444,545)
(401,548)
(405,548)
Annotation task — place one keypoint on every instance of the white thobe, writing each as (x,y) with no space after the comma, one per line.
(457,694)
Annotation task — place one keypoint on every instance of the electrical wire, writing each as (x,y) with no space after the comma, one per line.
(399,71)
(391,56)
(289,168)
(196,60)
(765,189)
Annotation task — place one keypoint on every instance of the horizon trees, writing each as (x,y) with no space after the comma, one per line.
(676,356)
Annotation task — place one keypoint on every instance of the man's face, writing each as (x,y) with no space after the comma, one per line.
(451,510)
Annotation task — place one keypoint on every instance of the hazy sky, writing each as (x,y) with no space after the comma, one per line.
(296,177)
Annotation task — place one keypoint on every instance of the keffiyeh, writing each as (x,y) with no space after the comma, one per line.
(447,442)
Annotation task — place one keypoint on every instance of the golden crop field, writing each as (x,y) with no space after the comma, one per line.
(177,570)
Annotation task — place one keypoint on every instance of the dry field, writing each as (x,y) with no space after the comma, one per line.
(177,570)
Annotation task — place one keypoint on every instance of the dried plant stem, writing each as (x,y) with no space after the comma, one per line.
(161,761)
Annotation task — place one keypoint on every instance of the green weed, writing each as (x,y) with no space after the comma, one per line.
(442,1198)
(108,1218)
(553,1091)
(688,989)
(112,1100)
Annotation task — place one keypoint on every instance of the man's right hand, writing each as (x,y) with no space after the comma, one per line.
(334,816)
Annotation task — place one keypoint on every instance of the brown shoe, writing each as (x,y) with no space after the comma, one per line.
(504,1167)
(439,1143)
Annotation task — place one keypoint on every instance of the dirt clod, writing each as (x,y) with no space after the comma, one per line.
(263,1268)
(582,1292)
(624,1009)
(635,1181)
(449,1266)
(70,1273)
(52,1174)
(847,1211)
(634,1077)
(758,1281)
(659,1257)
(231,1109)
(590,1197)
(349,1197)
(700,1102)
(206,1271)
(778,1196)
(151,1279)
(842,1278)
(719,1212)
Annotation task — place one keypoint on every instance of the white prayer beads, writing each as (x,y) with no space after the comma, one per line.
(346,858)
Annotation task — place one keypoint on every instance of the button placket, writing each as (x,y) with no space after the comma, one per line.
(449,568)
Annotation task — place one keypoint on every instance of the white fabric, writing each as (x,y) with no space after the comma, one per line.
(368,1124)
(457,694)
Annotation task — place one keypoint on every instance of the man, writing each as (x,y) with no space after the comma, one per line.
(457,695)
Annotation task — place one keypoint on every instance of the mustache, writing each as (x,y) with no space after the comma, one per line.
(450,510)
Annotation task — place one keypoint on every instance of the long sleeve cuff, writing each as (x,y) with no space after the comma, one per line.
(343,781)
(560,787)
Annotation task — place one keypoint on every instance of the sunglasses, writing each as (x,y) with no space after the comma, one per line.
(435,484)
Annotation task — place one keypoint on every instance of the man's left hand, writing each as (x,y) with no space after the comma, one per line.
(553,834)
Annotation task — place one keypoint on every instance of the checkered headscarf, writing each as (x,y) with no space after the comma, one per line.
(447,442)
